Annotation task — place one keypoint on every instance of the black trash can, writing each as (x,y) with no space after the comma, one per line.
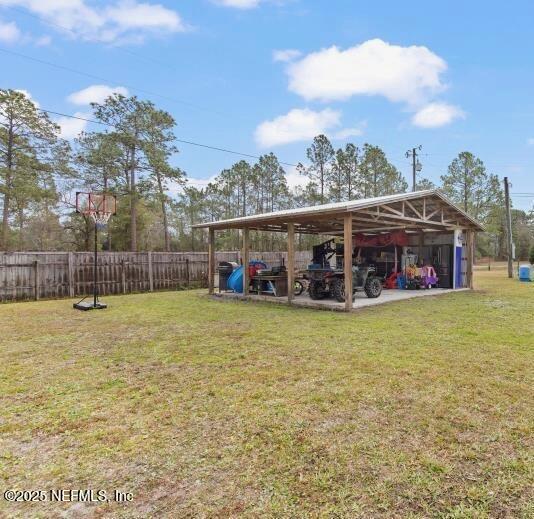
(225,269)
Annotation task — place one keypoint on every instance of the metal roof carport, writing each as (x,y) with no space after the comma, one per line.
(417,212)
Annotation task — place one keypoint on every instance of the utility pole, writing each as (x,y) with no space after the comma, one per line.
(508,227)
(416,165)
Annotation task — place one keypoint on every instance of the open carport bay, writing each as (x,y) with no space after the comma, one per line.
(407,240)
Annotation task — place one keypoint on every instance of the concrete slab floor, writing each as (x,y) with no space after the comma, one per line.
(361,300)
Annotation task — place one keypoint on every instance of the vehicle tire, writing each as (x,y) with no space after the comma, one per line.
(373,287)
(298,288)
(316,290)
(339,290)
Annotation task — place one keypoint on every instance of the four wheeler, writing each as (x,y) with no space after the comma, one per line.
(363,280)
(331,283)
(324,281)
(320,285)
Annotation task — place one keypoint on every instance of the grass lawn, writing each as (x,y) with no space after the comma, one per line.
(206,408)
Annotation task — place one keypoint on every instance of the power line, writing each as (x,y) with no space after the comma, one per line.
(26,12)
(148,92)
(230,151)
(192,143)
(75,117)
(107,80)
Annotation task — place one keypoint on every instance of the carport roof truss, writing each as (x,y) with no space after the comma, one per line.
(427,211)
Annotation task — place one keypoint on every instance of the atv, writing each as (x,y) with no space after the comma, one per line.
(331,283)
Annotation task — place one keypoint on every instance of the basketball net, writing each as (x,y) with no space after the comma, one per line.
(99,206)
(101,219)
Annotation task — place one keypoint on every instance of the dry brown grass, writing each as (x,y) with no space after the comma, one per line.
(204,408)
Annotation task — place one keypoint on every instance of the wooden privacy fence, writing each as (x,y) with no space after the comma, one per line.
(34,275)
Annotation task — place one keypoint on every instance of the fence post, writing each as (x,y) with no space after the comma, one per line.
(150,273)
(123,276)
(70,271)
(36,279)
(187,280)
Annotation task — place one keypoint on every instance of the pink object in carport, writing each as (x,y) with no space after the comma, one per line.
(428,276)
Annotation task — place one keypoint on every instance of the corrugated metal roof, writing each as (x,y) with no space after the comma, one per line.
(337,207)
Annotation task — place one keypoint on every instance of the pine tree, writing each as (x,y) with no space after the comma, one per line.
(468,184)
(378,176)
(131,120)
(345,179)
(27,138)
(98,158)
(320,154)
(159,148)
(423,184)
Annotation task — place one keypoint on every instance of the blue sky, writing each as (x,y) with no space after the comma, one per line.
(261,75)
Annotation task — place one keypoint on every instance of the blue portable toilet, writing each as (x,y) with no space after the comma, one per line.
(525,273)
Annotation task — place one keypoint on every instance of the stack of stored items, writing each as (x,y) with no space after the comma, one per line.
(271,281)
(235,281)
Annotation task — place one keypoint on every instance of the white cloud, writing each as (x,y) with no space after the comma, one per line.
(375,67)
(120,21)
(437,114)
(71,128)
(295,179)
(297,125)
(530,141)
(345,133)
(43,41)
(95,94)
(132,15)
(9,32)
(286,55)
(201,182)
(239,4)
(175,188)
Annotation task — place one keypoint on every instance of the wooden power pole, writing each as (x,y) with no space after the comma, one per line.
(508,227)
(416,166)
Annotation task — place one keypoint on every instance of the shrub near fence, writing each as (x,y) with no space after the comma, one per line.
(35,275)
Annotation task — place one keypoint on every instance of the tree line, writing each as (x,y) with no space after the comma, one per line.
(133,157)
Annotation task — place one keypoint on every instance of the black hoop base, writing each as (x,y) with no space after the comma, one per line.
(89,305)
(86,305)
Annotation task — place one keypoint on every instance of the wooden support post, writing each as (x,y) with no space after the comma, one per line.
(70,273)
(421,245)
(290,261)
(470,258)
(211,260)
(150,273)
(36,280)
(347,260)
(245,256)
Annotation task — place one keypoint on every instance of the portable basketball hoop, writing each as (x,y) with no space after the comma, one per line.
(100,207)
